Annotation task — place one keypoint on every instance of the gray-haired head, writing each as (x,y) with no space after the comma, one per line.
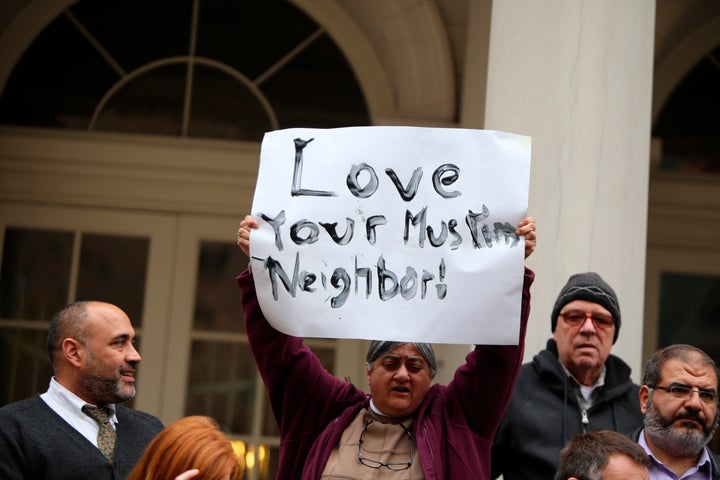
(378,348)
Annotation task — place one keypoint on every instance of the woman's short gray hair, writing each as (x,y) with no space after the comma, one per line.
(381,347)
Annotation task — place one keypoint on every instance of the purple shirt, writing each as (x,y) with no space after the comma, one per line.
(658,471)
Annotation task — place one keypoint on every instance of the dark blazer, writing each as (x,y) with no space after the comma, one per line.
(36,443)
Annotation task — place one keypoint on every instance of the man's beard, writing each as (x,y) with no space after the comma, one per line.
(680,440)
(105,389)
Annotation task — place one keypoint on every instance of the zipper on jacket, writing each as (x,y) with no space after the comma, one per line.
(430,448)
(585,420)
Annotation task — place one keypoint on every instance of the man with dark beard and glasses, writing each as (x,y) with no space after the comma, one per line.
(52,436)
(679,401)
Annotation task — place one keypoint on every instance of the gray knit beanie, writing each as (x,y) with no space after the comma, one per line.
(591,287)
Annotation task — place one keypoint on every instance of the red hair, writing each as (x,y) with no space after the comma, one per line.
(191,442)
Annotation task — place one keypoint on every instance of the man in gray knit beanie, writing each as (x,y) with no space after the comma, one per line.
(590,287)
(573,386)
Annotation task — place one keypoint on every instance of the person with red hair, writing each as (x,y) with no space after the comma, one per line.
(192,447)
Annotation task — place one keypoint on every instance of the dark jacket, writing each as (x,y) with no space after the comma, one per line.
(544,414)
(714,459)
(453,426)
(36,443)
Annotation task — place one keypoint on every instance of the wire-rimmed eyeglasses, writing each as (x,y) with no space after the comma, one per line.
(377,463)
(684,392)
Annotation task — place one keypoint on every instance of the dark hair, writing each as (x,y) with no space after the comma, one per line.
(381,347)
(587,454)
(68,322)
(652,374)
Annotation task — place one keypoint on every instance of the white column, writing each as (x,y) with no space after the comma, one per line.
(576,76)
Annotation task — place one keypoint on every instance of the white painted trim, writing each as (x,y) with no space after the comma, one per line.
(127,171)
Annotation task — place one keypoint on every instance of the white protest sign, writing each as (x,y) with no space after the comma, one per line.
(391,233)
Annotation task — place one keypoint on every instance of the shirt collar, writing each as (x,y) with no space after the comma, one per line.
(74,403)
(703,465)
(598,383)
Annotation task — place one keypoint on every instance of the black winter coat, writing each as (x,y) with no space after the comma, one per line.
(544,414)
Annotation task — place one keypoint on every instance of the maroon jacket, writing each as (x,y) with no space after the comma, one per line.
(454,425)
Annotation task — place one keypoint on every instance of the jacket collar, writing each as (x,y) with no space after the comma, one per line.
(548,367)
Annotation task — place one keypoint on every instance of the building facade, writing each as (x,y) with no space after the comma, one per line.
(130,137)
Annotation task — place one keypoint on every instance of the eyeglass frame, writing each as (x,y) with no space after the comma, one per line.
(377,464)
(598,321)
(709,399)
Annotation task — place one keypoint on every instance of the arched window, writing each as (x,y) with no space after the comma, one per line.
(689,125)
(214,69)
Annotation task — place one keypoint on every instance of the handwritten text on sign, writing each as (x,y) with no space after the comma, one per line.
(400,233)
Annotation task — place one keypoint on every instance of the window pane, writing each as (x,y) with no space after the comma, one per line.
(689,124)
(57,82)
(261,459)
(137,32)
(223,107)
(326,356)
(34,281)
(133,110)
(251,36)
(317,72)
(217,301)
(112,269)
(26,366)
(221,384)
(268,462)
(689,309)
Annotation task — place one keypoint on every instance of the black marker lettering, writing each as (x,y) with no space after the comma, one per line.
(452,225)
(310,238)
(276,223)
(440,239)
(408,193)
(415,220)
(385,276)
(331,229)
(366,273)
(508,232)
(472,219)
(440,178)
(340,278)
(370,225)
(352,181)
(441,287)
(409,284)
(296,191)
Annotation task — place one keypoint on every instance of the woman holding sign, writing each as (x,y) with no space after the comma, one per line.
(407,427)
